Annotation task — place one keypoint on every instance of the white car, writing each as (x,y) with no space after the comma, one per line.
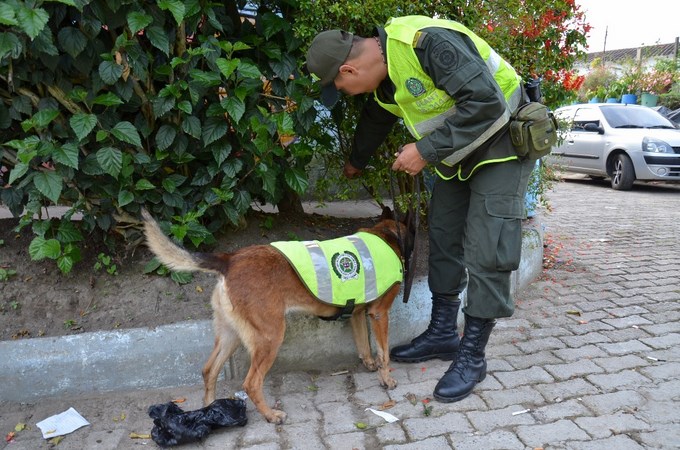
(620,141)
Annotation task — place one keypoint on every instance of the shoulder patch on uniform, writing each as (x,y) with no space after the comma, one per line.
(418,39)
(345,265)
(445,55)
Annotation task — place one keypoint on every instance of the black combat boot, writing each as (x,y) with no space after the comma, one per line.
(440,340)
(470,365)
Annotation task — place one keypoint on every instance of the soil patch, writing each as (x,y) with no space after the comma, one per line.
(40,301)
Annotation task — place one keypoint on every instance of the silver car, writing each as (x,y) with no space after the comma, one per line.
(620,141)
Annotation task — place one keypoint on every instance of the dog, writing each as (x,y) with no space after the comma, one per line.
(257,285)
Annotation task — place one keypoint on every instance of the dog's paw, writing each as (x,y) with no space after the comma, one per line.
(388,382)
(371,365)
(276,416)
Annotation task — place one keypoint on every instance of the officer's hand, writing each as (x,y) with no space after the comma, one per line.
(350,171)
(409,160)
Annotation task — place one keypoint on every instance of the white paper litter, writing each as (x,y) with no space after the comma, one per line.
(61,424)
(387,416)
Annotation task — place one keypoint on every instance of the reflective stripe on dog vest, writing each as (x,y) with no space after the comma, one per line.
(360,267)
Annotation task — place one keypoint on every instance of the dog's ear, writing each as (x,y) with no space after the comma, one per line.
(387,213)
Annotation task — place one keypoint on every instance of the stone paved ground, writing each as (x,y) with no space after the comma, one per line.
(590,360)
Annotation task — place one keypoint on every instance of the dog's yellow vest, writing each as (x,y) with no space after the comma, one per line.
(360,267)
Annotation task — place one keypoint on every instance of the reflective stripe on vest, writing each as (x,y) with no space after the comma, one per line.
(424,107)
(361,267)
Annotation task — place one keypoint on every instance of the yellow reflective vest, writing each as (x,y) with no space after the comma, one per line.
(360,267)
(422,106)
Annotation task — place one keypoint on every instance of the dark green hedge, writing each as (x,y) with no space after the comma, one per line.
(184,107)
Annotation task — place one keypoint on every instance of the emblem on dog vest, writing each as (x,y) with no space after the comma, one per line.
(360,267)
(345,265)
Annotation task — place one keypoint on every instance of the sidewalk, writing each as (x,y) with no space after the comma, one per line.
(589,361)
(181,349)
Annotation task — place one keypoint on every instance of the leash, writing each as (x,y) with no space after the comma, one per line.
(413,223)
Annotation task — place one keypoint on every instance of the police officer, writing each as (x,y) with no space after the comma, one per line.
(455,95)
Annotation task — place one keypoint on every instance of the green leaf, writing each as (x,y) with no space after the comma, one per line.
(65,263)
(108,99)
(40,227)
(44,43)
(138,20)
(82,124)
(283,68)
(91,166)
(151,265)
(72,40)
(185,106)
(205,79)
(49,183)
(17,172)
(162,105)
(214,129)
(296,180)
(7,16)
(179,231)
(234,107)
(201,177)
(268,180)
(10,45)
(110,72)
(165,137)
(144,185)
(169,185)
(249,70)
(126,132)
(181,277)
(272,24)
(221,152)
(43,117)
(68,2)
(125,197)
(68,232)
(192,126)
(67,155)
(232,167)
(242,201)
(158,39)
(238,46)
(111,160)
(175,7)
(227,66)
(41,248)
(32,20)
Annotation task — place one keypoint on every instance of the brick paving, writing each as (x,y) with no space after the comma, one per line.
(590,359)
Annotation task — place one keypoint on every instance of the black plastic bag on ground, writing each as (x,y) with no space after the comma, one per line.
(173,426)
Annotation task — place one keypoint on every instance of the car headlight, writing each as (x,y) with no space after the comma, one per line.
(653,145)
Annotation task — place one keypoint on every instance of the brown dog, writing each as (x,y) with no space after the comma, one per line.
(257,285)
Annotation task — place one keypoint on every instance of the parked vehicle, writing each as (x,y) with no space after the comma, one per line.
(621,141)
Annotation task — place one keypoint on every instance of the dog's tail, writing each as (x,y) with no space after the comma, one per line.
(175,257)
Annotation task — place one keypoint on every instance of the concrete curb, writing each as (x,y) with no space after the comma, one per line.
(173,355)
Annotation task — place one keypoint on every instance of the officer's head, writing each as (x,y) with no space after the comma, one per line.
(344,62)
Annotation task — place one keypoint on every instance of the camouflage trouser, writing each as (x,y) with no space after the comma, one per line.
(477,224)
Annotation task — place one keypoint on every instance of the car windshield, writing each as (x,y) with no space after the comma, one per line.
(619,116)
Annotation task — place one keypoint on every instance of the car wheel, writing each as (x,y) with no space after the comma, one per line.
(623,173)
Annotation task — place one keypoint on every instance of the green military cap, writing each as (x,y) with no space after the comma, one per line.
(329,50)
